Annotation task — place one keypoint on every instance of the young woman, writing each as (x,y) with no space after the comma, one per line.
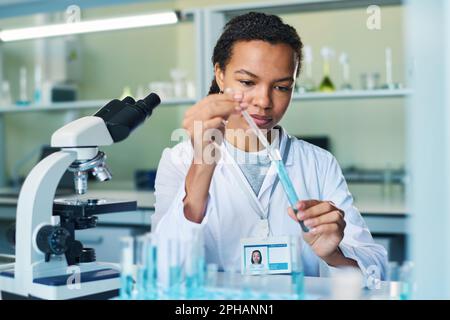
(256,61)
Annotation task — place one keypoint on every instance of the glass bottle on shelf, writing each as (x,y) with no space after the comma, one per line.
(307,84)
(326,85)
(389,84)
(345,67)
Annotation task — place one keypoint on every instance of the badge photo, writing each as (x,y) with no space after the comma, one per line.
(266,255)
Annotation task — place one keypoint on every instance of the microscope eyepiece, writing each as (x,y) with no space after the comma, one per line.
(149,103)
(122,117)
(128,100)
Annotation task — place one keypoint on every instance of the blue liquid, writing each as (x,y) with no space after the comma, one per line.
(405,294)
(174,282)
(191,286)
(151,281)
(141,281)
(126,287)
(21,103)
(37,97)
(201,271)
(247,294)
(288,188)
(298,284)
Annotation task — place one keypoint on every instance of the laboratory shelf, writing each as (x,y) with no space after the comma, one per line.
(79,105)
(353,94)
(289,6)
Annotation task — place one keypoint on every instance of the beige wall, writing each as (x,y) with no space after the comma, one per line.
(367,133)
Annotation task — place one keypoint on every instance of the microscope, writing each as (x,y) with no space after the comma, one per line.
(49,262)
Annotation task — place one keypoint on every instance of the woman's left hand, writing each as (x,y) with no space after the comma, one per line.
(326,227)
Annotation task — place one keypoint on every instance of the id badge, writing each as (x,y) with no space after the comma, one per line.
(270,255)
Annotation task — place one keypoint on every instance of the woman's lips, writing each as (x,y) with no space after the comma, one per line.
(260,120)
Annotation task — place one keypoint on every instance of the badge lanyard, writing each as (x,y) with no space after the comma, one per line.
(263,224)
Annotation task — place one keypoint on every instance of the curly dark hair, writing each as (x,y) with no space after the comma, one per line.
(254,26)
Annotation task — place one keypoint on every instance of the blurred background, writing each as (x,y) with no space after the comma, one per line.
(354,96)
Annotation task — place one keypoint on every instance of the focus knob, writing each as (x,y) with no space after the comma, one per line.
(53,240)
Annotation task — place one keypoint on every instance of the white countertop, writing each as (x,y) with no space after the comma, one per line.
(369,199)
(315,287)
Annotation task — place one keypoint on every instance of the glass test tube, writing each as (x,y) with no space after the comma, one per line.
(126,286)
(151,287)
(297,275)
(174,269)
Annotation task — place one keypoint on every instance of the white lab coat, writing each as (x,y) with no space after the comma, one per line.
(232,215)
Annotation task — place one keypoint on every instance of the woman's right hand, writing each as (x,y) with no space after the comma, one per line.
(208,114)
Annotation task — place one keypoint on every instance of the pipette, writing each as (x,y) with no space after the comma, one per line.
(275,157)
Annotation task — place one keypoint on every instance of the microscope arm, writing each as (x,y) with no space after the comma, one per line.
(90,131)
(35,209)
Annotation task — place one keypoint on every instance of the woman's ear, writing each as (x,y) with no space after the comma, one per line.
(219,75)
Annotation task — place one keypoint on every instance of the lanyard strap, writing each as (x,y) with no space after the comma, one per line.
(247,191)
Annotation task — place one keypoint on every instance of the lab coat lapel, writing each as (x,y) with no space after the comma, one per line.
(228,161)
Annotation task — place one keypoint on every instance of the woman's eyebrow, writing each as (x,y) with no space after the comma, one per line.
(285,79)
(243,71)
(247,73)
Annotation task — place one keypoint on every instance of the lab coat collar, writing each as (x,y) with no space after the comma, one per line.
(226,157)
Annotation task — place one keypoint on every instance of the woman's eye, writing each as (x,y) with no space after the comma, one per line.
(246,83)
(283,89)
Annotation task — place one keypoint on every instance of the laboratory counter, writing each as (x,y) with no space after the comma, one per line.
(314,287)
(385,216)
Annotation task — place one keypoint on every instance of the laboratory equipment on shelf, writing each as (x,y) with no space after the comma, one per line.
(23,88)
(370,81)
(37,94)
(275,157)
(307,84)
(48,258)
(345,68)
(389,84)
(326,85)
(5,94)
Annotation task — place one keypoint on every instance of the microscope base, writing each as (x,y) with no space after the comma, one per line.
(99,284)
(99,296)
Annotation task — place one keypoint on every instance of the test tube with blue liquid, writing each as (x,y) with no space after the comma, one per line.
(246,287)
(275,157)
(230,282)
(297,275)
(151,266)
(264,287)
(191,277)
(211,280)
(126,280)
(199,256)
(175,277)
(141,267)
(406,280)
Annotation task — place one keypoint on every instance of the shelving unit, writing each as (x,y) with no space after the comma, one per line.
(354,94)
(79,105)
(213,19)
(59,107)
(208,24)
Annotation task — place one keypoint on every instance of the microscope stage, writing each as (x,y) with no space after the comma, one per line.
(90,207)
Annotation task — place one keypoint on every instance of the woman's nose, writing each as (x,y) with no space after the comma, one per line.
(262,99)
